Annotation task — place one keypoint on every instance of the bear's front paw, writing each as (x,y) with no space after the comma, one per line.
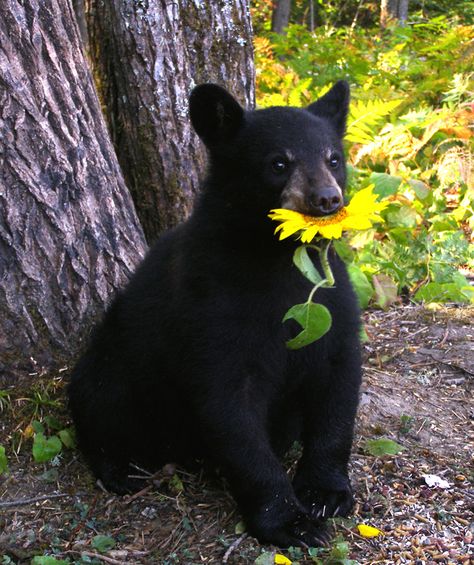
(291,526)
(323,503)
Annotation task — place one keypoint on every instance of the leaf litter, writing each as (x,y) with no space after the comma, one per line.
(417,392)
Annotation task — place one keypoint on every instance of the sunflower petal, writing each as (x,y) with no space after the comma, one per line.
(368,531)
(359,214)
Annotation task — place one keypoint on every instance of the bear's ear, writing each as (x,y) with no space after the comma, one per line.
(215,115)
(334,105)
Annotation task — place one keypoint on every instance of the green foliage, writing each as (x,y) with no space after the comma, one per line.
(48,560)
(176,484)
(265,558)
(336,13)
(361,284)
(40,400)
(302,260)
(67,437)
(315,320)
(5,401)
(409,134)
(382,446)
(365,118)
(338,554)
(46,448)
(3,461)
(406,423)
(103,543)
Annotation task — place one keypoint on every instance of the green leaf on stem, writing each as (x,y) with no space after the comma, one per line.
(302,260)
(315,319)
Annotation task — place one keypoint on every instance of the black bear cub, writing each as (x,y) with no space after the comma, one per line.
(190,362)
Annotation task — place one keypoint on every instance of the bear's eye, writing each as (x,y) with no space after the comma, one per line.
(279,165)
(334,160)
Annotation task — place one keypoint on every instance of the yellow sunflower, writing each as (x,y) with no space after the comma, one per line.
(359,214)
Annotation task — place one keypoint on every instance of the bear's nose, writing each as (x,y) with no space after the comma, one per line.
(326,200)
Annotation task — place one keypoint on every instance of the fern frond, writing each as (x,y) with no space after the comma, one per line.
(299,94)
(365,116)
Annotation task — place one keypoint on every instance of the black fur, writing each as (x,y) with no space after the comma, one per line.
(190,361)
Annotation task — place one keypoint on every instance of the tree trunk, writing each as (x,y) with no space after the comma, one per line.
(281,15)
(80,12)
(147,57)
(393,10)
(69,235)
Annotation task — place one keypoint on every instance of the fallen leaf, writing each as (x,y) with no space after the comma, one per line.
(434,481)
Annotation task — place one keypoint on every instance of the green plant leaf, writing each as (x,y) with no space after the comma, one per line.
(339,554)
(103,543)
(45,449)
(176,484)
(363,335)
(445,292)
(52,423)
(302,260)
(382,446)
(50,475)
(361,284)
(385,290)
(240,527)
(344,250)
(385,185)
(366,116)
(315,319)
(442,223)
(37,427)
(422,190)
(67,437)
(48,560)
(405,216)
(266,558)
(3,460)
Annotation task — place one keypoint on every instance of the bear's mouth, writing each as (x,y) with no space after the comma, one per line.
(315,202)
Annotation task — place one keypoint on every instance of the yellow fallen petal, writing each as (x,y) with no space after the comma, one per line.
(368,531)
(281,559)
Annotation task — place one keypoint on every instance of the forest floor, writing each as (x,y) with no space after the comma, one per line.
(419,374)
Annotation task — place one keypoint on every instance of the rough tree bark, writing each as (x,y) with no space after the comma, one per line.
(393,10)
(281,15)
(69,235)
(147,57)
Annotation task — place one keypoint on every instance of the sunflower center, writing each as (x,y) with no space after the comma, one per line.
(327,220)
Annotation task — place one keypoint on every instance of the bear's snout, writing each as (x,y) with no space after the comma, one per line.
(325,200)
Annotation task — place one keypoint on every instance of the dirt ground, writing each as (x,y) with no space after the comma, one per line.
(419,369)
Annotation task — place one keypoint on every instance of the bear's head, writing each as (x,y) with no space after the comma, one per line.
(281,157)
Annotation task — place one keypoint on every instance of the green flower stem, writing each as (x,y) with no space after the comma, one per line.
(320,284)
(314,319)
(328,281)
(323,257)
